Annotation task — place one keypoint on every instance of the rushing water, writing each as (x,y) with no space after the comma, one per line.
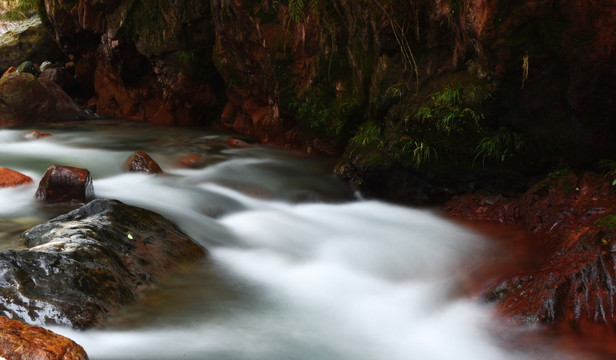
(299,266)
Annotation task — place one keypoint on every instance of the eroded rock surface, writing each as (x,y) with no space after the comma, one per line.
(575,218)
(81,266)
(19,341)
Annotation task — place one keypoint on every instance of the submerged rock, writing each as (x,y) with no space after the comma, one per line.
(140,161)
(65,184)
(36,134)
(20,341)
(81,266)
(190,160)
(10,178)
(575,216)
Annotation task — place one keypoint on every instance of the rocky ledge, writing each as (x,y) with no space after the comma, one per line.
(574,219)
(79,267)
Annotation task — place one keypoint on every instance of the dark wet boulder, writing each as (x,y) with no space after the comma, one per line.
(24,342)
(79,267)
(63,78)
(10,178)
(27,99)
(28,67)
(140,161)
(65,184)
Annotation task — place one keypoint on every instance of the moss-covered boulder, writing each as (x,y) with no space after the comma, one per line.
(28,40)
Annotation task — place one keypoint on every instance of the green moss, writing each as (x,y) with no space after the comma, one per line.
(147,21)
(368,144)
(42,12)
(20,10)
(608,222)
(499,146)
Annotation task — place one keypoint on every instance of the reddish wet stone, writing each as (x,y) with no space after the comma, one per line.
(235,143)
(140,161)
(10,70)
(65,184)
(573,218)
(10,178)
(35,134)
(20,341)
(190,160)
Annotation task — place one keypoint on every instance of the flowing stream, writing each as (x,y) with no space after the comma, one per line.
(300,267)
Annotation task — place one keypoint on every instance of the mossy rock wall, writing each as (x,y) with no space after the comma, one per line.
(448,86)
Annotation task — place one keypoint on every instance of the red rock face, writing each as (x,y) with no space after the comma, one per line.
(575,218)
(63,78)
(65,184)
(140,161)
(184,62)
(136,64)
(10,178)
(560,54)
(20,341)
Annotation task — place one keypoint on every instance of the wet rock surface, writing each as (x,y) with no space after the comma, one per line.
(27,99)
(65,184)
(10,178)
(79,267)
(140,161)
(19,341)
(574,218)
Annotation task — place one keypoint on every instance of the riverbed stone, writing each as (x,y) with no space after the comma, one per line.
(24,342)
(11,178)
(36,134)
(140,161)
(81,266)
(65,184)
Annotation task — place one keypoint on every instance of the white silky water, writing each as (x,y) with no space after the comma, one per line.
(299,268)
